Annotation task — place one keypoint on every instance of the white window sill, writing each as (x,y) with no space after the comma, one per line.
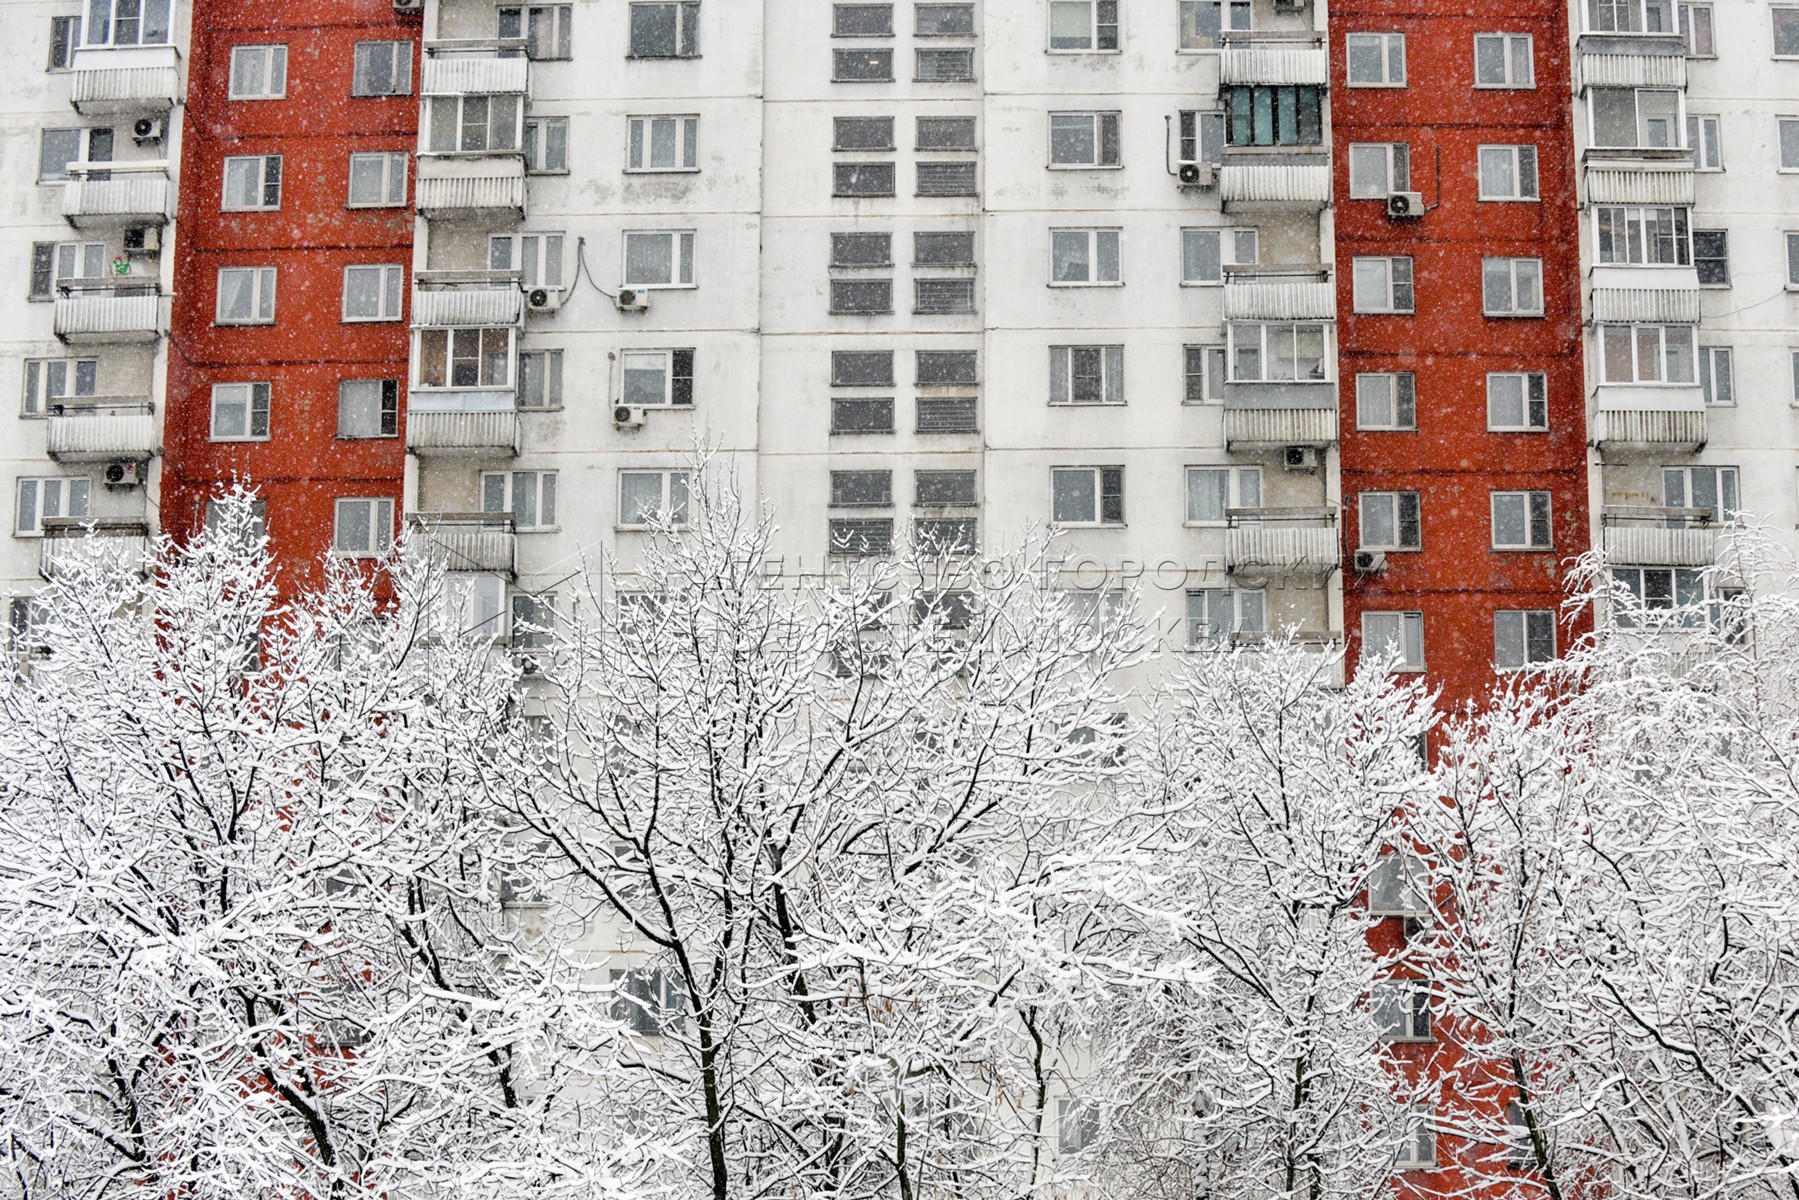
(531,528)
(1205,524)
(1202,283)
(1376,87)
(1387,312)
(369,320)
(242,324)
(1067,52)
(250,208)
(237,441)
(1505,87)
(644,171)
(1104,283)
(644,528)
(1386,429)
(1511,199)
(365,437)
(383,204)
(659,287)
(1088,524)
(254,99)
(1521,549)
(1513,316)
(1055,166)
(1515,429)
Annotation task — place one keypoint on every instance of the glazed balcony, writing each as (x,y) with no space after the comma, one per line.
(469,541)
(102,195)
(124,79)
(1262,541)
(1273,58)
(1657,430)
(467,298)
(471,166)
(1660,537)
(68,541)
(101,429)
(97,312)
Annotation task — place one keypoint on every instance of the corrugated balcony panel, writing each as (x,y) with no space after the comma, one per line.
(1275,546)
(139,196)
(470,541)
(1657,184)
(123,542)
(454,184)
(455,75)
(1653,305)
(106,88)
(102,433)
(1279,426)
(1633,70)
(1646,545)
(1650,429)
(432,430)
(467,306)
(1279,300)
(1305,184)
(1274,63)
(93,317)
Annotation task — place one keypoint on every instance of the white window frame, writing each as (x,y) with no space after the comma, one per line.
(378,514)
(1790,239)
(1402,1011)
(421,366)
(1397,390)
(1521,628)
(640,142)
(1518,274)
(399,65)
(262,296)
(666,357)
(390,295)
(1385,44)
(537,257)
(498,136)
(266,170)
(1395,169)
(1383,286)
(1788,165)
(1405,633)
(1095,238)
(1394,502)
(1688,27)
(676,496)
(1640,10)
(538,491)
(1774,12)
(1099,498)
(392,180)
(1705,132)
(1238,246)
(542,368)
(1718,376)
(1511,81)
(1211,373)
(105,32)
(1077,1124)
(1242,485)
(1209,628)
(1531,502)
(1399,886)
(1514,159)
(1200,136)
(1097,26)
(73,495)
(1529,382)
(1634,226)
(1062,359)
(87,139)
(1726,486)
(536,146)
(1677,122)
(681,254)
(1637,332)
(273,70)
(1099,120)
(250,401)
(687,33)
(1269,335)
(1418,1135)
(386,408)
(39,398)
(561,31)
(1234,16)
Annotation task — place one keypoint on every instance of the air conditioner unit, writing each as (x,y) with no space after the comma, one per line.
(143,239)
(543,300)
(1289,5)
(627,416)
(1198,175)
(1300,458)
(146,130)
(409,6)
(1405,205)
(1370,562)
(632,300)
(126,473)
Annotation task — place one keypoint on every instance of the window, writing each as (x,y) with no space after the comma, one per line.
(540,379)
(648,1002)
(1508,173)
(246,296)
(1386,400)
(645,497)
(258,72)
(382,69)
(862,368)
(364,527)
(378,180)
(537,257)
(465,358)
(1201,136)
(664,144)
(1792,243)
(1635,117)
(1377,169)
(1215,616)
(128,22)
(945,133)
(1789,143)
(861,249)
(1523,638)
(1630,16)
(1521,521)
(863,179)
(862,66)
(1711,257)
(861,415)
(1658,589)
(943,295)
(947,414)
(1083,24)
(1213,491)
(1376,59)
(1697,28)
(944,368)
(546,145)
(1717,377)
(862,133)
(1077,1125)
(1274,115)
(57,148)
(1390,521)
(1512,287)
(53,263)
(859,537)
(1202,22)
(1086,374)
(368,408)
(943,20)
(47,499)
(1087,139)
(530,496)
(861,297)
(546,29)
(1383,285)
(943,66)
(947,179)
(1793,359)
(1083,256)
(1277,352)
(1504,60)
(1647,354)
(1418,1144)
(944,489)
(472,124)
(943,249)
(659,259)
(1402,1010)
(1520,1149)
(665,30)
(1204,372)
(51,380)
(240,412)
(1517,401)
(65,34)
(1205,253)
(862,20)
(372,293)
(657,378)
(1642,236)
(1786,32)
(1400,634)
(252,182)
(1713,489)
(861,489)
(1704,137)
(1087,495)
(1398,886)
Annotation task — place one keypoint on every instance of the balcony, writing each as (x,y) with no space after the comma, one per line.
(476,66)
(69,541)
(1660,430)
(478,185)
(1645,295)
(469,541)
(449,424)
(1274,178)
(1632,60)
(1263,541)
(94,312)
(99,195)
(467,298)
(1263,58)
(1264,426)
(1667,183)
(124,79)
(101,429)
(1279,293)
(1660,537)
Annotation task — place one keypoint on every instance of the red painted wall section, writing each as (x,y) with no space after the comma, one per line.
(1457,581)
(304,466)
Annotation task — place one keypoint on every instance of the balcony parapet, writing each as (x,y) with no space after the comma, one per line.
(1662,430)
(101,429)
(467,298)
(1268,426)
(476,67)
(482,542)
(1278,293)
(1263,58)
(454,424)
(1651,536)
(1285,178)
(451,184)
(1671,183)
(124,79)
(1281,540)
(1612,69)
(71,540)
(125,309)
(124,193)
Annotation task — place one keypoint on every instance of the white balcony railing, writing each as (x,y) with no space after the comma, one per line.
(450,183)
(1266,59)
(99,430)
(124,79)
(484,430)
(1272,293)
(1300,540)
(1660,537)
(469,541)
(1272,426)
(1653,429)
(95,311)
(458,67)
(467,298)
(1247,180)
(116,193)
(68,541)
